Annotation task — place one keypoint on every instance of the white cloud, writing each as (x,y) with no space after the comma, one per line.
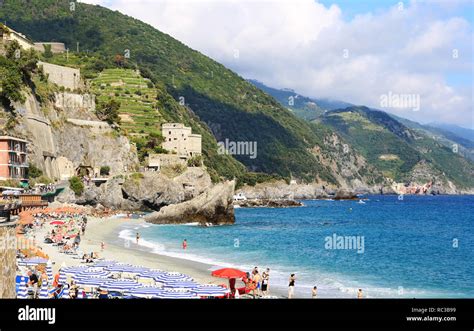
(301,44)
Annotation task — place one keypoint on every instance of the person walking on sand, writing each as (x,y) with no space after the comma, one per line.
(102,246)
(314,292)
(359,294)
(291,286)
(138,237)
(185,244)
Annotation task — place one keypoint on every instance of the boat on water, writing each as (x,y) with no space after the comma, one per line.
(361,202)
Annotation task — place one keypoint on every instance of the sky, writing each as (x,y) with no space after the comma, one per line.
(410,58)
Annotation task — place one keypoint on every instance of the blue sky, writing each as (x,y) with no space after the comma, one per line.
(356,51)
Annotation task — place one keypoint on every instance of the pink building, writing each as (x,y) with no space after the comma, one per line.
(13,163)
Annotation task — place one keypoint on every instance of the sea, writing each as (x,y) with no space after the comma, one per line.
(388,246)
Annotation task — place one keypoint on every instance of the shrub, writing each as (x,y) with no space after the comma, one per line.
(76,185)
(195,161)
(104,170)
(33,171)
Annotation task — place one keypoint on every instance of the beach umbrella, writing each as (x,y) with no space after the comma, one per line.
(228,273)
(127,268)
(49,271)
(210,291)
(151,274)
(186,284)
(62,278)
(172,276)
(145,292)
(57,223)
(170,294)
(104,264)
(22,292)
(92,273)
(44,292)
(32,261)
(119,285)
(73,270)
(64,293)
(91,282)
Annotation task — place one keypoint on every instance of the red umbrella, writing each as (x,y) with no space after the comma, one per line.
(57,223)
(228,273)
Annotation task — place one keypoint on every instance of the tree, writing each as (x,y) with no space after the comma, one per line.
(76,185)
(47,51)
(109,112)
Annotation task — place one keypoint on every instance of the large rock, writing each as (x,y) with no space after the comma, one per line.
(144,191)
(213,206)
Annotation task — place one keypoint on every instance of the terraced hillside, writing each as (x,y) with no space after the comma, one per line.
(139,113)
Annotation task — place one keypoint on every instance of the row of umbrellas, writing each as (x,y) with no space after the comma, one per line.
(171,284)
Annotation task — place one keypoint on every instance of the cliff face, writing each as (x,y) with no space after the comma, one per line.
(65,134)
(214,206)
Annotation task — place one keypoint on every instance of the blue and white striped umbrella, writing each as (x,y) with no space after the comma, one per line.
(185,284)
(49,272)
(92,273)
(128,268)
(175,295)
(120,285)
(32,261)
(44,292)
(90,281)
(210,291)
(172,277)
(151,274)
(64,293)
(62,278)
(22,292)
(73,270)
(105,263)
(145,292)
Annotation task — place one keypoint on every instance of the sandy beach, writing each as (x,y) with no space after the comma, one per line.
(106,230)
(102,230)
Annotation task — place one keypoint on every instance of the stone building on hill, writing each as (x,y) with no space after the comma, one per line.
(179,139)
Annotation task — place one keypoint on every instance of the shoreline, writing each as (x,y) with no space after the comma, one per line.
(107,229)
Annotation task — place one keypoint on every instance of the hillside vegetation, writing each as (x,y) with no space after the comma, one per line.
(229,105)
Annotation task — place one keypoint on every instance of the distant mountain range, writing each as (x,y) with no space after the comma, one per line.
(398,147)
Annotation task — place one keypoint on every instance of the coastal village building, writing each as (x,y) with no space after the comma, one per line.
(179,139)
(13,163)
(8,35)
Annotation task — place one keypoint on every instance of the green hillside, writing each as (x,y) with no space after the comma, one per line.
(136,95)
(394,148)
(231,106)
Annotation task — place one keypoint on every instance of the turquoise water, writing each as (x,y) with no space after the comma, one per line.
(421,246)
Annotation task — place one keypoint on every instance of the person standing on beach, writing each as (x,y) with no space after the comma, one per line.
(314,292)
(102,246)
(185,244)
(258,285)
(291,286)
(265,279)
(138,237)
(359,294)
